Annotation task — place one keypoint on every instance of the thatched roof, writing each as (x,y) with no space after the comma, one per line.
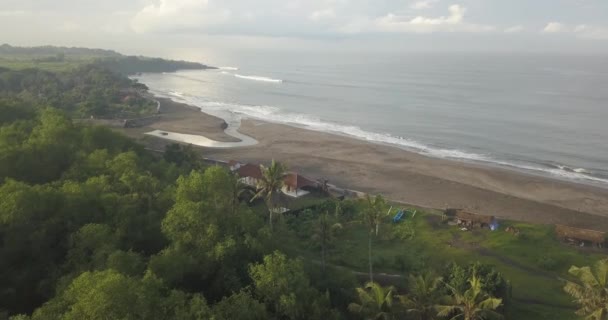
(580,234)
(468,216)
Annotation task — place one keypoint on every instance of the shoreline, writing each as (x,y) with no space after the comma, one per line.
(402,175)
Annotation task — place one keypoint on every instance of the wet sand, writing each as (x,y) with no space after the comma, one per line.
(401,175)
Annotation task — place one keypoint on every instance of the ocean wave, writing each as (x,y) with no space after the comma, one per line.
(229,68)
(258,78)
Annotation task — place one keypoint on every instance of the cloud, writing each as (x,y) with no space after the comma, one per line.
(12,13)
(175,15)
(323,14)
(554,27)
(514,29)
(68,26)
(456,15)
(591,32)
(424,4)
(454,22)
(580,31)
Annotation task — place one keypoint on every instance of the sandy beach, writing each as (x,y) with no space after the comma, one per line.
(398,174)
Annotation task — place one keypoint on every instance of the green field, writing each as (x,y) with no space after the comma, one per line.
(534,261)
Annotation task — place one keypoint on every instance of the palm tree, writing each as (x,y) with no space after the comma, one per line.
(324,233)
(372,216)
(472,304)
(375,302)
(423,295)
(270,185)
(238,190)
(592,291)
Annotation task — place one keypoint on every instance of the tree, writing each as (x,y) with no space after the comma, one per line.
(240,305)
(325,230)
(285,289)
(423,294)
(270,185)
(375,302)
(472,304)
(591,293)
(373,213)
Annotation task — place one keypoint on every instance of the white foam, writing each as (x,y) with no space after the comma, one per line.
(258,78)
(229,68)
(177,93)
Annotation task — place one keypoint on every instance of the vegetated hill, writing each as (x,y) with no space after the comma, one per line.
(63,58)
(9,51)
(132,64)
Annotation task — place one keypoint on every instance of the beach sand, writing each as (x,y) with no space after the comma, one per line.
(401,175)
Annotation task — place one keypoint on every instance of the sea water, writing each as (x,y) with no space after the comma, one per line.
(546,114)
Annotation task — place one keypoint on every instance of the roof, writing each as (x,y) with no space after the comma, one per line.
(580,234)
(296,181)
(250,170)
(468,216)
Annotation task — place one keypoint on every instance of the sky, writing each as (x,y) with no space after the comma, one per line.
(177,28)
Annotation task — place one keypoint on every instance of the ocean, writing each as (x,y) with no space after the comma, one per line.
(544,114)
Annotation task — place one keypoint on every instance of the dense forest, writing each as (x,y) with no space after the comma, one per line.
(85,91)
(62,57)
(93,226)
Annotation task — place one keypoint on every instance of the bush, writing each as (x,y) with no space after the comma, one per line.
(404,231)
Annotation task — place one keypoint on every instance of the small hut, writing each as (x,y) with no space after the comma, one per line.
(469,219)
(295,185)
(581,236)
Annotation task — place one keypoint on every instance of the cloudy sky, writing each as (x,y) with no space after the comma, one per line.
(138,26)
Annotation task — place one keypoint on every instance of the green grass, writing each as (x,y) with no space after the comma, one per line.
(534,261)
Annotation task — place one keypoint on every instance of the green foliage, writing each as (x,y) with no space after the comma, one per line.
(490,280)
(84,91)
(132,64)
(111,295)
(241,305)
(590,293)
(375,302)
(285,289)
(404,231)
(472,304)
(269,186)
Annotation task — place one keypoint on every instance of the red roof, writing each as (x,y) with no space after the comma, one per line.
(249,170)
(296,181)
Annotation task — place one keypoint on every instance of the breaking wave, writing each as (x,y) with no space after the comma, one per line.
(229,68)
(258,78)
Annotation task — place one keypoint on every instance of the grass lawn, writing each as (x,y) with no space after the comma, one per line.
(534,261)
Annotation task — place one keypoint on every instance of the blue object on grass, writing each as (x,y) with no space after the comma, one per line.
(398,216)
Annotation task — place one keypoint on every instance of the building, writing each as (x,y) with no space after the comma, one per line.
(468,219)
(233,165)
(295,185)
(581,236)
(249,174)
